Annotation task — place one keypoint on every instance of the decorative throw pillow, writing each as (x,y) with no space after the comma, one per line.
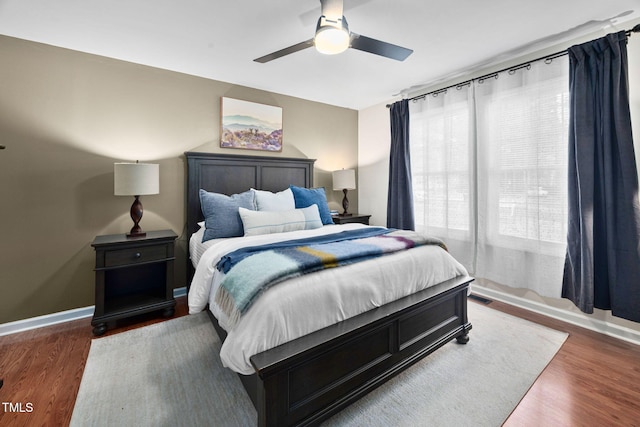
(280,201)
(312,196)
(221,218)
(268,222)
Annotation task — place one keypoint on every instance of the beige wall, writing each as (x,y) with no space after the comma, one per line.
(373,155)
(66,117)
(374,140)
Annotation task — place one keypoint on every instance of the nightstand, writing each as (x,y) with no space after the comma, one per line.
(362,219)
(133,276)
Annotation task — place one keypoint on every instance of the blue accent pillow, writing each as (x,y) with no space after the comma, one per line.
(305,197)
(221,217)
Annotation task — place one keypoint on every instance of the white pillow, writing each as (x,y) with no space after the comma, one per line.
(280,201)
(268,222)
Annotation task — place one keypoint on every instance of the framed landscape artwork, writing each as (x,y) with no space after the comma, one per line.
(250,126)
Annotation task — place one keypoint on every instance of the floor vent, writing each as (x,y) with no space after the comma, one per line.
(480,299)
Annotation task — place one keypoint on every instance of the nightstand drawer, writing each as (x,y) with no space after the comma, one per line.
(137,255)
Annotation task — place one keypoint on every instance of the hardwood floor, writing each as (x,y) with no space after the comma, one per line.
(42,368)
(593,380)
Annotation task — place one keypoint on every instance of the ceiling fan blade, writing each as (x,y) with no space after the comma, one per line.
(378,47)
(286,51)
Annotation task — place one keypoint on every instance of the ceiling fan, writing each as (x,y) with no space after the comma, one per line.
(333,36)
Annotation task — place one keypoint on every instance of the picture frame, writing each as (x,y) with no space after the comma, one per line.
(250,125)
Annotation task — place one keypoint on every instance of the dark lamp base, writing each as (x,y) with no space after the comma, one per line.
(345,204)
(136,216)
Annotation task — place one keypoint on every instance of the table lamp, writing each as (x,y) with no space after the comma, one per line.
(136,179)
(344,180)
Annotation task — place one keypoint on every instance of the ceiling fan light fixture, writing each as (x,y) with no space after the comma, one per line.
(332,37)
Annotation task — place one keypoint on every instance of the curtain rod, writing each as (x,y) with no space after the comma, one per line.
(527,64)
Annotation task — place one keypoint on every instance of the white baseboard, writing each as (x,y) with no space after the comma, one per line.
(584,321)
(577,319)
(60,317)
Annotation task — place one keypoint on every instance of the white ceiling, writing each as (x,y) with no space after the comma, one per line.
(219,39)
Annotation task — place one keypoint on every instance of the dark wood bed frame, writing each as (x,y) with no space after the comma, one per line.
(305,381)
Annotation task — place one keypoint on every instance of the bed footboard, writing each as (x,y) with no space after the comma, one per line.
(311,378)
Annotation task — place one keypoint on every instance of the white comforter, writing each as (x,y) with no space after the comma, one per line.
(305,304)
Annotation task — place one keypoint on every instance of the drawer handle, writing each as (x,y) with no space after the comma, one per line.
(138,255)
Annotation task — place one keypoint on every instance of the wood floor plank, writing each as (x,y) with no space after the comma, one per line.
(593,380)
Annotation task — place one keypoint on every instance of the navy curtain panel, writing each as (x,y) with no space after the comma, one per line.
(400,195)
(602,266)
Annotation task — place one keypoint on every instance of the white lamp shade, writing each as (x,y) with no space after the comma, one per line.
(344,179)
(136,179)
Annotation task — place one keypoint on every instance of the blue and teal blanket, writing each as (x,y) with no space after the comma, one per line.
(252,270)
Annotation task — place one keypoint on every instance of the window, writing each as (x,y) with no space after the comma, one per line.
(522,123)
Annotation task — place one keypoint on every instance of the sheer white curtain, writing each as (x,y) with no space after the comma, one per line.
(442,165)
(523,123)
(491,172)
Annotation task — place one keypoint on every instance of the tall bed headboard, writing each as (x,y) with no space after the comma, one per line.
(231,173)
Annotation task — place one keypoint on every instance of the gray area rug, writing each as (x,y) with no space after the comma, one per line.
(169,374)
